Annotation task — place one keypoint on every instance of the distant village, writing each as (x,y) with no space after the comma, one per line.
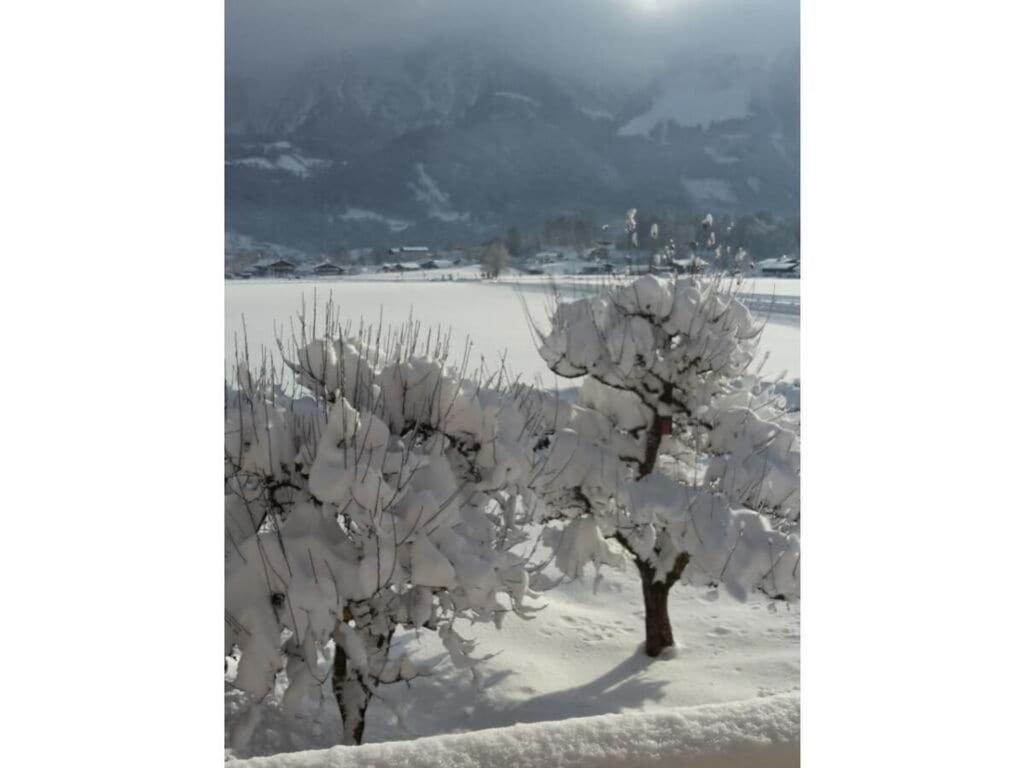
(601,259)
(266,262)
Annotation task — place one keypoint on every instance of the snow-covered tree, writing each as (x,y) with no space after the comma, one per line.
(675,451)
(494,260)
(363,498)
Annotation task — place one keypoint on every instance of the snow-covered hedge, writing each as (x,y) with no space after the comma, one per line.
(364,499)
(761,732)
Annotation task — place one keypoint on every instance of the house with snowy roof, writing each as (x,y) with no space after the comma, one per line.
(547,257)
(281,268)
(784,266)
(328,269)
(411,251)
(401,266)
(691,265)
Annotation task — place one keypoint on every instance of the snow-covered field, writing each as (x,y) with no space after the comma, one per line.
(491,314)
(581,655)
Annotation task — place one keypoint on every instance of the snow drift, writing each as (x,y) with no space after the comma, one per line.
(764,732)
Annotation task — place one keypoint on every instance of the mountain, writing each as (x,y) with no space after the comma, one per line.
(452,143)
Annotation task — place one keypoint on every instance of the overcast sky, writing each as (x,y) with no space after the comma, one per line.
(603,40)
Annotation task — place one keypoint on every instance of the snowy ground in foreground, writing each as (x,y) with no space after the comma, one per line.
(579,657)
(491,314)
(763,732)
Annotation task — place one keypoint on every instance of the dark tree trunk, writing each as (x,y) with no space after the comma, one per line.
(657,623)
(352,708)
(656,619)
(357,732)
(340,671)
(660,425)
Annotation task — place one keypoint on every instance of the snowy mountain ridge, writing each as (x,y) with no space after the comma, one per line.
(500,144)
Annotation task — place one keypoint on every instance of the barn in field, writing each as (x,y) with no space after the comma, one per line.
(327,269)
(691,265)
(281,268)
(784,266)
(410,252)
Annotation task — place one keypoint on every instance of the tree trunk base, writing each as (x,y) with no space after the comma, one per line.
(353,699)
(658,625)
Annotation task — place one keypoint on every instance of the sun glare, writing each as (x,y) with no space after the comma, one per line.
(652,6)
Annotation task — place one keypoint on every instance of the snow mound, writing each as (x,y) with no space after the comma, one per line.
(692,101)
(437,202)
(289,162)
(518,97)
(709,190)
(763,732)
(362,214)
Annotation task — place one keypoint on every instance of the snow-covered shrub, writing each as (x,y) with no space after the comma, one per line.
(674,449)
(365,498)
